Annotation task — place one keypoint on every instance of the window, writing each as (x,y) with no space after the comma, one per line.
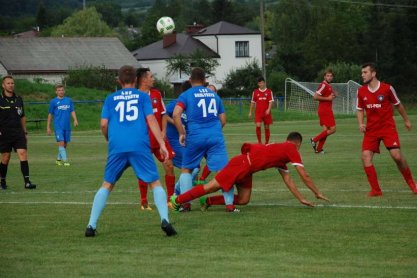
(242,49)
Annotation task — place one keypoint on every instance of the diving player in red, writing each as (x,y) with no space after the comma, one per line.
(377,99)
(325,96)
(145,81)
(263,99)
(255,158)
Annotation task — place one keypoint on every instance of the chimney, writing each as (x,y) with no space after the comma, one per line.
(169,39)
(191,29)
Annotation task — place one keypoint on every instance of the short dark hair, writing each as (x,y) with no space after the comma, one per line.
(371,65)
(185,86)
(7,76)
(198,75)
(326,71)
(295,136)
(260,79)
(127,74)
(59,86)
(141,73)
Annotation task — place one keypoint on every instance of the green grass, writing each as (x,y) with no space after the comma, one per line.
(42,231)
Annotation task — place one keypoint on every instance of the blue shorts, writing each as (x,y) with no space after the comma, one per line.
(63,135)
(213,149)
(178,149)
(142,163)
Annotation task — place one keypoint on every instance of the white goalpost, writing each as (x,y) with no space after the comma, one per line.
(299,96)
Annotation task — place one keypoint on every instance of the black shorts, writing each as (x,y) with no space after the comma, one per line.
(12,138)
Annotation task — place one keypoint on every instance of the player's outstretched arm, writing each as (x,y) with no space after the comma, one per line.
(309,183)
(401,111)
(291,186)
(222,118)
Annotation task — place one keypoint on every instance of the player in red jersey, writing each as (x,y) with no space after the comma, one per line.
(325,96)
(255,158)
(263,99)
(145,81)
(376,99)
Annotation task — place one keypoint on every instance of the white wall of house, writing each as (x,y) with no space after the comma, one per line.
(45,78)
(3,70)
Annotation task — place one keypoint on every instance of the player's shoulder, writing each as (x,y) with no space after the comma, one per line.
(155,92)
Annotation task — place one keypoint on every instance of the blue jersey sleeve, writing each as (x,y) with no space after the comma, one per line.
(105,113)
(71,105)
(220,109)
(51,107)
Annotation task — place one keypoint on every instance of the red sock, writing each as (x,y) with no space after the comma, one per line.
(258,134)
(321,144)
(320,136)
(170,185)
(205,173)
(409,178)
(143,188)
(219,200)
(267,135)
(194,193)
(372,178)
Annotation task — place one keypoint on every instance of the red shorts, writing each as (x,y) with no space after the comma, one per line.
(326,118)
(389,137)
(237,171)
(261,117)
(158,155)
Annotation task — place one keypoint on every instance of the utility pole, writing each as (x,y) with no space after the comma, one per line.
(83,4)
(261,26)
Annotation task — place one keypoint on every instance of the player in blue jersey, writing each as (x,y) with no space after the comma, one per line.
(61,109)
(123,124)
(204,137)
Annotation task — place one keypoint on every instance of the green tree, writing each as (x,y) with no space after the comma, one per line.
(178,63)
(111,12)
(84,23)
(185,63)
(242,81)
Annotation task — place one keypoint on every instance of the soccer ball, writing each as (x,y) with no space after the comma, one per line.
(165,25)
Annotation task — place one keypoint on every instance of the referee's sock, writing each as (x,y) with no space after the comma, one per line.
(24,167)
(3,172)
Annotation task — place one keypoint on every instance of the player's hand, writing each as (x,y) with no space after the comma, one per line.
(362,128)
(322,197)
(75,123)
(407,124)
(249,115)
(267,112)
(307,203)
(48,131)
(164,152)
(182,139)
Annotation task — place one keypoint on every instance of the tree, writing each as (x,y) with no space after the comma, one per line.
(241,81)
(110,12)
(178,63)
(84,23)
(185,63)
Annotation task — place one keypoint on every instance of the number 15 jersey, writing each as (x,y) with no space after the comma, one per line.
(126,111)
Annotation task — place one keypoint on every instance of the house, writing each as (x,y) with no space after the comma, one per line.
(50,58)
(233,46)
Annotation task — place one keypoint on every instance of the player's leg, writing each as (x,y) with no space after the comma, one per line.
(20,145)
(267,122)
(258,132)
(196,192)
(169,177)
(329,131)
(402,165)
(67,139)
(370,172)
(143,189)
(206,172)
(62,153)
(5,158)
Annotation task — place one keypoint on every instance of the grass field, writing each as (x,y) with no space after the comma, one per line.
(42,231)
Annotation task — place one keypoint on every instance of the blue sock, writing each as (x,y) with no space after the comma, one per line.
(186,182)
(229,196)
(160,199)
(98,205)
(177,190)
(63,153)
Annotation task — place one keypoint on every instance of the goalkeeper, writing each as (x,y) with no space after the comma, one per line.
(254,158)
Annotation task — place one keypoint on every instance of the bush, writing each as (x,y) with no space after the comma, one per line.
(276,82)
(342,72)
(98,78)
(242,81)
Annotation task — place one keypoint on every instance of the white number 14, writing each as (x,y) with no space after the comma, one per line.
(212,109)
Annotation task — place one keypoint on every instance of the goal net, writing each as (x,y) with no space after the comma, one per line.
(299,96)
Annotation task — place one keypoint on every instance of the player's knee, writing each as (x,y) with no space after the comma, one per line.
(243,201)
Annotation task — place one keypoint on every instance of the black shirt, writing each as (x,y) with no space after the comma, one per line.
(11,111)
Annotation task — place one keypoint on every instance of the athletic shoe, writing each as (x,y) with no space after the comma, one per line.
(313,144)
(185,208)
(29,185)
(58,162)
(145,206)
(167,228)
(90,232)
(67,163)
(320,152)
(203,204)
(373,193)
(234,210)
(3,185)
(174,204)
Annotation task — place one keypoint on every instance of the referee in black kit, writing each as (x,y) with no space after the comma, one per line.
(12,132)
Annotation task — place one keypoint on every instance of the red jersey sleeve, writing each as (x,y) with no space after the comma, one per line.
(393,96)
(270,96)
(295,157)
(359,101)
(253,96)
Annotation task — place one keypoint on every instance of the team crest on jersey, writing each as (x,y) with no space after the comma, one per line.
(380,97)
(154,100)
(19,111)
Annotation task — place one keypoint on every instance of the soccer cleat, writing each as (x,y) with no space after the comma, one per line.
(3,185)
(174,204)
(66,163)
(373,193)
(320,152)
(145,206)
(58,162)
(185,207)
(90,232)
(29,185)
(203,204)
(313,144)
(167,228)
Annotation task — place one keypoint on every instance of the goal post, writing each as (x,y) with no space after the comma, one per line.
(299,96)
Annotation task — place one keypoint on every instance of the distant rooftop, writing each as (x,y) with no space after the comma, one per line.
(224,28)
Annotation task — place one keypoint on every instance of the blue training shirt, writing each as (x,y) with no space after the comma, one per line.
(202,107)
(126,111)
(172,132)
(60,109)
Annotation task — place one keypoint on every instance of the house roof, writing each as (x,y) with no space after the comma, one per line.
(224,28)
(48,54)
(184,44)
